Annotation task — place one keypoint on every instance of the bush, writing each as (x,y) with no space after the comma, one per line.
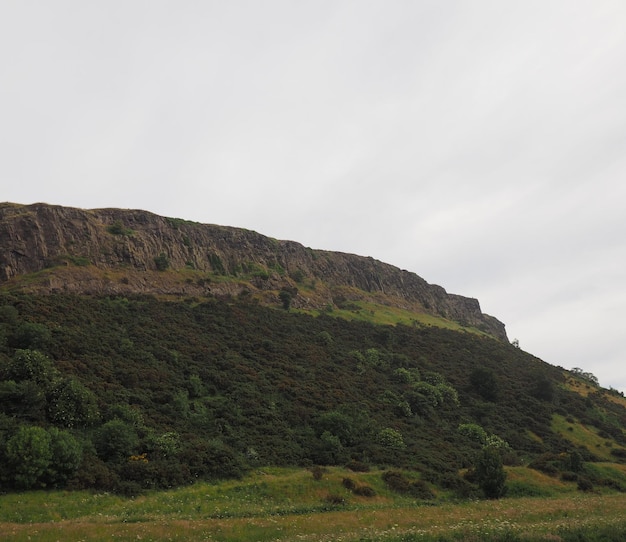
(349,483)
(357,466)
(117,228)
(490,473)
(364,491)
(334,499)
(28,456)
(116,440)
(318,472)
(584,484)
(396,481)
(162,262)
(569,476)
(420,490)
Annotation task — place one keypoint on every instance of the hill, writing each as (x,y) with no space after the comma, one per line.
(141,352)
(113,251)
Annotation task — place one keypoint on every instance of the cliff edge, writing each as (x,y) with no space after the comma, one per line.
(118,251)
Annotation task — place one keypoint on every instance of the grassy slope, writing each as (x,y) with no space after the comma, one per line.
(288,504)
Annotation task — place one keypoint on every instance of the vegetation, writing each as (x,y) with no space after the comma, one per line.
(136,394)
(290,504)
(117,228)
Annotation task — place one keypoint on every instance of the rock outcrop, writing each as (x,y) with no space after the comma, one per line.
(116,251)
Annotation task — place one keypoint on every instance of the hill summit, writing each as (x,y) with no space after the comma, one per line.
(121,252)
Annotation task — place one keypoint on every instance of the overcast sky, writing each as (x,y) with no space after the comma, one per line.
(480,144)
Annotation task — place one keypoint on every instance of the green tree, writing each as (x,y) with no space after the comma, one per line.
(67,454)
(490,473)
(285,298)
(390,438)
(31,365)
(28,455)
(116,440)
(31,335)
(71,404)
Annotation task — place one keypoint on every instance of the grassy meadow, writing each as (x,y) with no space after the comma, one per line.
(279,504)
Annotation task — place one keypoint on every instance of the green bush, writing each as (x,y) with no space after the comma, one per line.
(116,441)
(490,473)
(117,228)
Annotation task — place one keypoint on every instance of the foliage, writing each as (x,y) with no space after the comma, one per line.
(285,298)
(391,438)
(71,404)
(208,388)
(27,455)
(484,382)
(490,473)
(116,440)
(117,228)
(162,262)
(287,503)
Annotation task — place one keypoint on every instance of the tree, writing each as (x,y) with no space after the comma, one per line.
(390,438)
(285,298)
(71,404)
(28,455)
(116,440)
(490,473)
(67,454)
(31,365)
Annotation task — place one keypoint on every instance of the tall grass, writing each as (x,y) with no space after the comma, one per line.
(289,505)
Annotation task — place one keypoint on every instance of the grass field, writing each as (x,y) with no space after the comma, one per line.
(289,505)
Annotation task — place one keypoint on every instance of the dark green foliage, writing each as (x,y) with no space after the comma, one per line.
(31,365)
(70,404)
(30,335)
(490,474)
(484,382)
(285,298)
(116,441)
(67,454)
(208,389)
(27,456)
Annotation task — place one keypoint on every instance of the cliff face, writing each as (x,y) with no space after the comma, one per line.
(111,251)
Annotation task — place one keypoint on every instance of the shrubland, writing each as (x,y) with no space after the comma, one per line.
(132,394)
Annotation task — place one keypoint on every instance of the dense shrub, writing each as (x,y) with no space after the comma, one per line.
(348,483)
(584,484)
(357,466)
(490,474)
(364,491)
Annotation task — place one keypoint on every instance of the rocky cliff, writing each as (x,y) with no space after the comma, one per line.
(115,251)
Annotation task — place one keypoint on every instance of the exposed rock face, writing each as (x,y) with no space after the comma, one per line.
(138,243)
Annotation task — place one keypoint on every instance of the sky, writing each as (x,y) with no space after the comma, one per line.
(480,144)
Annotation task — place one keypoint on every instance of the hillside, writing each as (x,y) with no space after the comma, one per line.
(113,251)
(208,369)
